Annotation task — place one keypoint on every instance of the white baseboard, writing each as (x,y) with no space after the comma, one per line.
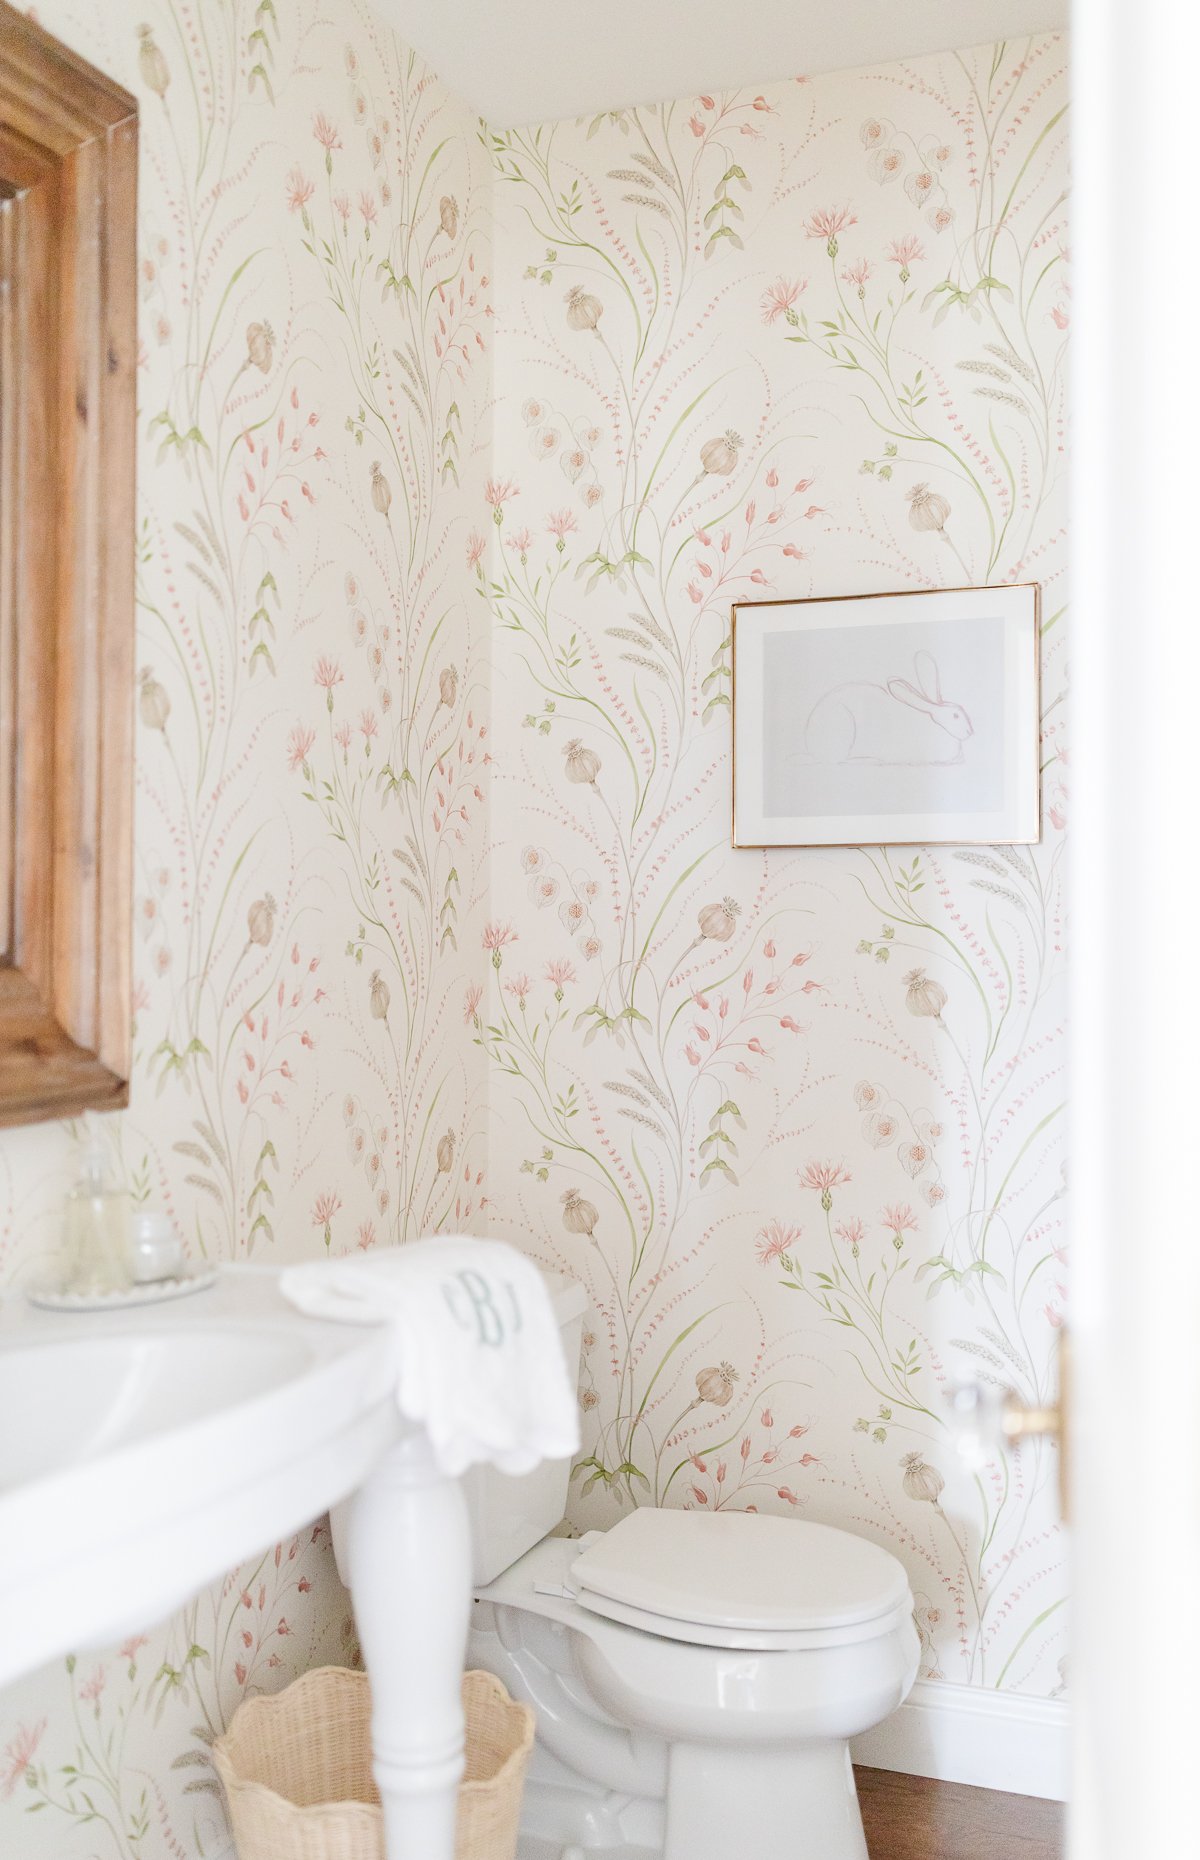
(969,1734)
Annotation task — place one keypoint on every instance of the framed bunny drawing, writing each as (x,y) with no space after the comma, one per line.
(886,719)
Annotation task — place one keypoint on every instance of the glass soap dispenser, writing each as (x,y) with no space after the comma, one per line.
(96,1245)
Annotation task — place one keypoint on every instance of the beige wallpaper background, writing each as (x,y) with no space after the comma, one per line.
(424,409)
(314,421)
(794,1116)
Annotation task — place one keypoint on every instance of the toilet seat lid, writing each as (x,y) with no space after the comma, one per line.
(740,1570)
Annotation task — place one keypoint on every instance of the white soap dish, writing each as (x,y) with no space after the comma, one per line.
(159,1292)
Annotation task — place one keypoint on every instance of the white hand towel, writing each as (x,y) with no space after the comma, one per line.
(479,1357)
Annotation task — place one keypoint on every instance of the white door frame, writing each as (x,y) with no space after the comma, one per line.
(1135,916)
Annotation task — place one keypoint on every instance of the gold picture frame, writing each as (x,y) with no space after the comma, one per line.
(886,753)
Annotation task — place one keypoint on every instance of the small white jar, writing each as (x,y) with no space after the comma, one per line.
(156,1251)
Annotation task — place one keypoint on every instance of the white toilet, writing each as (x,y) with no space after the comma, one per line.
(696,1677)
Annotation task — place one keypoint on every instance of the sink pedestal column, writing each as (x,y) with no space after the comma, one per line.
(409,1568)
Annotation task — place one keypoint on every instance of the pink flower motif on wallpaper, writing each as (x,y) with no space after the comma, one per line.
(324,1208)
(772,1243)
(899,1219)
(495,938)
(824,1176)
(827,222)
(781,299)
(300,190)
(300,740)
(325,133)
(497,492)
(18,1754)
(905,252)
(327,674)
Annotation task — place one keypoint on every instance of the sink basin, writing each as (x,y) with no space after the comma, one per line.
(82,1396)
(145,1452)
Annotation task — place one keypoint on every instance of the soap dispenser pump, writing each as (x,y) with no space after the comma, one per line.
(96,1247)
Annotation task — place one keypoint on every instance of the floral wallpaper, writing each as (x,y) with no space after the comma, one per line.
(795,1117)
(314,419)
(409,958)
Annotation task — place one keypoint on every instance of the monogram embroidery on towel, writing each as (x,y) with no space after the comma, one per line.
(482,1313)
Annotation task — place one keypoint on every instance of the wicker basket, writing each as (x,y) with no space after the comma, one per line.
(297,1771)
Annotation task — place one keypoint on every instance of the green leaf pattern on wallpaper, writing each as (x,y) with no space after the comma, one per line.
(794,1118)
(313,393)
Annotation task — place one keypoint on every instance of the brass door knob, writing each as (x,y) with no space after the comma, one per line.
(985,1422)
(1018,1422)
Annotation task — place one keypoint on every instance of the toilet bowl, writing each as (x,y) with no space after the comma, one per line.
(696,1677)
(696,1681)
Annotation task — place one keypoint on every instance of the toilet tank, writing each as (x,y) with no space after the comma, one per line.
(509,1513)
(512,1512)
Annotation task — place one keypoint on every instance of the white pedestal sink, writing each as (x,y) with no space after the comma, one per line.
(145,1452)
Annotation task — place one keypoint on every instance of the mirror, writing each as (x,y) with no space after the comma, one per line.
(68,350)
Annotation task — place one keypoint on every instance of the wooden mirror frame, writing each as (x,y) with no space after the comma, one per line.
(68,354)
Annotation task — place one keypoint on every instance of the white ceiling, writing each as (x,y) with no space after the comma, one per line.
(532,61)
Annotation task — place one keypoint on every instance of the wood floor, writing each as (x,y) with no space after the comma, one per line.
(911,1818)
